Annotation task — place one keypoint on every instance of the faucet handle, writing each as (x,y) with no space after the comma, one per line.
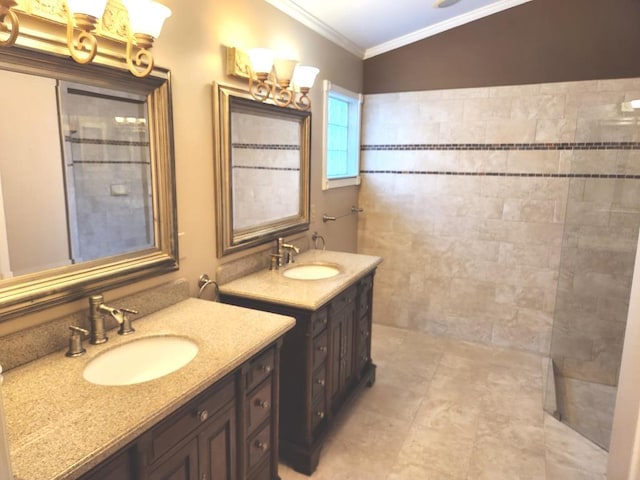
(75,341)
(125,327)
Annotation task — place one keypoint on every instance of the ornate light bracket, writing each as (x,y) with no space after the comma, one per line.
(282,89)
(36,24)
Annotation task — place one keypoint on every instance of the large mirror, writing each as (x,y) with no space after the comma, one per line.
(87,195)
(262,170)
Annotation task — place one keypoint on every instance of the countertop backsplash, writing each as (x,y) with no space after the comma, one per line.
(33,343)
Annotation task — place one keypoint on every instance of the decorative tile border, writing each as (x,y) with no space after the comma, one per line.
(265,146)
(506,146)
(99,141)
(260,167)
(500,174)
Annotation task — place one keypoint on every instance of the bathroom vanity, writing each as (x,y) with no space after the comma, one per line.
(216,417)
(326,357)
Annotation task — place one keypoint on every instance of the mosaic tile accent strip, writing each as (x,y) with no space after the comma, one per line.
(99,141)
(259,167)
(500,174)
(265,146)
(507,146)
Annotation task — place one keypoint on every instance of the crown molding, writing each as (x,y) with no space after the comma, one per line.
(318,26)
(442,26)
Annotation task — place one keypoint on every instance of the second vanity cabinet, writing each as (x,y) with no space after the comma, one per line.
(326,361)
(228,432)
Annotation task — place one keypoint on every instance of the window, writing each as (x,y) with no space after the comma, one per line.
(341,137)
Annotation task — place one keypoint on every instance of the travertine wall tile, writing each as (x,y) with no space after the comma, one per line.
(501,216)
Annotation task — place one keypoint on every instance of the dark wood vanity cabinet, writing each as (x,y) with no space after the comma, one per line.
(228,432)
(326,361)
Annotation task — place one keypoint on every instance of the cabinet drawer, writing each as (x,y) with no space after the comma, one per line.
(319,348)
(260,368)
(318,412)
(346,298)
(258,447)
(318,381)
(181,424)
(319,321)
(258,406)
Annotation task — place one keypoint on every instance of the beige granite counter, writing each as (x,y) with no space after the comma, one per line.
(60,425)
(272,286)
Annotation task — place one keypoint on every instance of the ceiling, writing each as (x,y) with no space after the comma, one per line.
(370,27)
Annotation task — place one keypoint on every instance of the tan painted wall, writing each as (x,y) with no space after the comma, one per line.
(33,191)
(191,45)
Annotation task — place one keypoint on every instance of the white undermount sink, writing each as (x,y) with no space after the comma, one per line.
(141,360)
(312,271)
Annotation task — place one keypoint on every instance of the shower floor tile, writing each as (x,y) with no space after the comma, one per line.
(451,410)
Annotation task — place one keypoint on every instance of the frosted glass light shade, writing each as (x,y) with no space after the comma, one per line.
(261,60)
(284,69)
(304,76)
(95,8)
(146,16)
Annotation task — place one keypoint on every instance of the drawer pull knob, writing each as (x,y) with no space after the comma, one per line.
(320,381)
(266,368)
(322,348)
(204,476)
(320,414)
(261,445)
(203,415)
(262,403)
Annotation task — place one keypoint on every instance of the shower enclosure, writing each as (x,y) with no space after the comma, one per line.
(601,224)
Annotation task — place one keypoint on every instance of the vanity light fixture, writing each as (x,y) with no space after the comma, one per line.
(283,80)
(146,18)
(9,24)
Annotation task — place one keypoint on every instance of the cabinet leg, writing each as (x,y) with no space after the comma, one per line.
(372,376)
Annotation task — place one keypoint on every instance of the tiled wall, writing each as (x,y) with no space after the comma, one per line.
(466,195)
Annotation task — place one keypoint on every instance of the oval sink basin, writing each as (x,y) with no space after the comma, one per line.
(311,271)
(140,360)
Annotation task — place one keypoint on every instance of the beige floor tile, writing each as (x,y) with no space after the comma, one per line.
(450,410)
(441,451)
(415,472)
(505,463)
(561,472)
(565,447)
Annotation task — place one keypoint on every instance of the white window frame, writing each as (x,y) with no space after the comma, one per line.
(355,116)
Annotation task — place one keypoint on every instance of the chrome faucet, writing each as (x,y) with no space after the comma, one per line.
(97,311)
(284,254)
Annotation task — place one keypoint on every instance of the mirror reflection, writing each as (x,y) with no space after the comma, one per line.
(76,184)
(262,168)
(262,162)
(87,190)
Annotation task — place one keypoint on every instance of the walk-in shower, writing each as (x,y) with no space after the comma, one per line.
(596,267)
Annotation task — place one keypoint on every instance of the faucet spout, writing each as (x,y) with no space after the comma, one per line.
(97,310)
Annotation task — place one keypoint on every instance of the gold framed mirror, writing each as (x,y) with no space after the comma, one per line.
(262,162)
(87,184)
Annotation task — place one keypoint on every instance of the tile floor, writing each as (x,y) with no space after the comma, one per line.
(451,410)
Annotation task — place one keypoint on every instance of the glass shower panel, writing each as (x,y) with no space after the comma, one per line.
(598,250)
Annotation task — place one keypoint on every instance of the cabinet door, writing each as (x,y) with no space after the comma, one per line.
(218,447)
(120,467)
(342,351)
(182,465)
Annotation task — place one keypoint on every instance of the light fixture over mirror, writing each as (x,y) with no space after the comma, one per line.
(284,81)
(146,18)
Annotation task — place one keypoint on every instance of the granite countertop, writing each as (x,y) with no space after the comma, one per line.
(60,425)
(272,286)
